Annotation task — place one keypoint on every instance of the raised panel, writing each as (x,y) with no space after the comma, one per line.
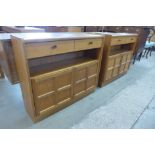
(129,57)
(44,86)
(124,58)
(91,82)
(92,69)
(127,66)
(80,74)
(45,103)
(80,88)
(63,79)
(111,62)
(64,96)
(117,61)
(115,71)
(109,74)
(121,69)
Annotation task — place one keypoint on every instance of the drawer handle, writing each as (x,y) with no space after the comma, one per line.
(54,47)
(119,39)
(90,43)
(131,39)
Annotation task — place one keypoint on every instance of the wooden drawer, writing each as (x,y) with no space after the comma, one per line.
(130,39)
(118,40)
(123,40)
(35,50)
(87,44)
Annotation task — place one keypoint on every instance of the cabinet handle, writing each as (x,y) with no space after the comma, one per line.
(90,43)
(119,39)
(131,38)
(54,47)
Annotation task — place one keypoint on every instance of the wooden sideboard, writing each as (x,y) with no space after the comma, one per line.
(56,69)
(117,54)
(142,31)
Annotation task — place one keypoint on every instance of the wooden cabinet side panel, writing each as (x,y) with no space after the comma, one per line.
(23,73)
(104,60)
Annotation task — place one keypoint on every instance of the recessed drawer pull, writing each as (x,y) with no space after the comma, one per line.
(54,47)
(90,43)
(131,39)
(119,39)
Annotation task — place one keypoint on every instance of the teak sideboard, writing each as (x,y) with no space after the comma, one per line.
(56,69)
(117,54)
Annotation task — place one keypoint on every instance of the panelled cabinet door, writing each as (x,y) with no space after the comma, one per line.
(80,80)
(64,84)
(128,62)
(51,90)
(92,73)
(44,93)
(85,78)
(111,64)
(125,62)
(116,65)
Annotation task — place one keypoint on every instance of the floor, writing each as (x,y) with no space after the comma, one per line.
(128,102)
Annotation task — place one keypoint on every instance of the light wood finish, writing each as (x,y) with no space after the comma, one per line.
(117,55)
(87,44)
(50,82)
(122,40)
(49,48)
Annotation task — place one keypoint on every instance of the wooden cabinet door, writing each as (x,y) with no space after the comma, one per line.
(116,65)
(85,78)
(44,93)
(80,80)
(109,71)
(63,85)
(125,62)
(51,90)
(92,74)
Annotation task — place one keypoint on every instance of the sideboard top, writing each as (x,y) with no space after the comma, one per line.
(37,37)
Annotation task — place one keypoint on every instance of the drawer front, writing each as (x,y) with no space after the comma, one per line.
(118,40)
(131,39)
(87,44)
(123,40)
(35,50)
